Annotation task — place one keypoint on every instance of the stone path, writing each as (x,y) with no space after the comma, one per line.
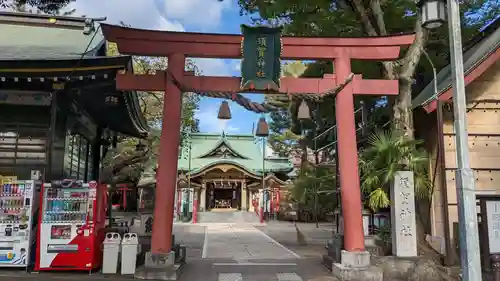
(228,217)
(256,270)
(242,242)
(286,234)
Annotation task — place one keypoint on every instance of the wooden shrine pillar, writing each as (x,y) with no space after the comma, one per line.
(348,161)
(166,175)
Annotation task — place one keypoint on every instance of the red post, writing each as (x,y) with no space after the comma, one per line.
(261,214)
(271,204)
(278,200)
(348,160)
(195,209)
(161,241)
(179,196)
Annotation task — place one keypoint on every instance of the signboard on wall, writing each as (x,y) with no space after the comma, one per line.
(261,65)
(493,219)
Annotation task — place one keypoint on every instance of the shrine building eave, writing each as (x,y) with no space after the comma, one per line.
(135,41)
(228,164)
(206,152)
(93,80)
(481,53)
(12,66)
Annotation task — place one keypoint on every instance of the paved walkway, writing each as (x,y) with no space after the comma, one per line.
(242,242)
(286,234)
(256,270)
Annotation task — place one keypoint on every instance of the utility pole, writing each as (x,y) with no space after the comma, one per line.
(467,216)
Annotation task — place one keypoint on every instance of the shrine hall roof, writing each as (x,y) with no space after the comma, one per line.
(28,36)
(37,49)
(243,151)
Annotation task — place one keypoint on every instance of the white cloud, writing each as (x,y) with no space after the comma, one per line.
(209,122)
(156,14)
(213,67)
(139,14)
(204,14)
(171,15)
(237,66)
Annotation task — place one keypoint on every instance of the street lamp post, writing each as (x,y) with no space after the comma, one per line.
(262,131)
(467,214)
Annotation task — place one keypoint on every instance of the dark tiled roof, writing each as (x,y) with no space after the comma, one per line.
(9,53)
(477,50)
(30,41)
(25,38)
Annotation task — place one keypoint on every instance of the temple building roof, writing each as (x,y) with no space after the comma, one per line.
(47,54)
(28,36)
(242,151)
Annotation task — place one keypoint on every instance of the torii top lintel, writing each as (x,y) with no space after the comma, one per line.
(145,42)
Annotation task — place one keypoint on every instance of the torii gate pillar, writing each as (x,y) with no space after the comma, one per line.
(166,174)
(350,191)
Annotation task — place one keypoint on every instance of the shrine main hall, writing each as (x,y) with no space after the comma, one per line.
(230,172)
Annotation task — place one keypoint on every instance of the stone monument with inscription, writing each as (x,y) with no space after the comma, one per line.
(493,223)
(403,221)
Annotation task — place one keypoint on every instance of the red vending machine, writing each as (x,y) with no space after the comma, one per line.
(70,231)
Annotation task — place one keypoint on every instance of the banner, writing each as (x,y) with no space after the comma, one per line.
(261,65)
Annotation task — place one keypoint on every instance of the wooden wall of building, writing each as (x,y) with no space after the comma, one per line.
(484,151)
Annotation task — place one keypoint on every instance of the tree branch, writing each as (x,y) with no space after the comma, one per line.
(410,61)
(371,31)
(365,20)
(379,16)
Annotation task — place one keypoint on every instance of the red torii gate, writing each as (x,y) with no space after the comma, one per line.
(179,45)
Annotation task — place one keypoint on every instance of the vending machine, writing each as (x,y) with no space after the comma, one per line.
(71,226)
(18,212)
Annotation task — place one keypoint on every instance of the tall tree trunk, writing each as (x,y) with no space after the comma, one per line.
(402,109)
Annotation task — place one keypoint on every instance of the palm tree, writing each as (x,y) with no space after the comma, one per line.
(386,153)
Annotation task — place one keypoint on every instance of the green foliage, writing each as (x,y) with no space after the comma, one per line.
(152,102)
(282,140)
(384,155)
(384,234)
(53,7)
(312,181)
(133,163)
(354,18)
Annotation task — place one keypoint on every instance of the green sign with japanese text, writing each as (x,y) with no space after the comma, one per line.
(261,65)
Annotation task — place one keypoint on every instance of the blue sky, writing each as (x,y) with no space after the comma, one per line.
(192,16)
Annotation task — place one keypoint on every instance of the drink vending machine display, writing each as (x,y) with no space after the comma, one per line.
(18,208)
(71,226)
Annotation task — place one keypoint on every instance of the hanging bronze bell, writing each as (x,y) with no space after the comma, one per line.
(262,128)
(224,111)
(303,112)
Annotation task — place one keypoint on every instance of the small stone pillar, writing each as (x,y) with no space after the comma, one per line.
(404,226)
(251,199)
(495,266)
(203,196)
(366,222)
(244,196)
(261,198)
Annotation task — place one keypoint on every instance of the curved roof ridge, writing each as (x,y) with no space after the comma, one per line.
(224,161)
(222,141)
